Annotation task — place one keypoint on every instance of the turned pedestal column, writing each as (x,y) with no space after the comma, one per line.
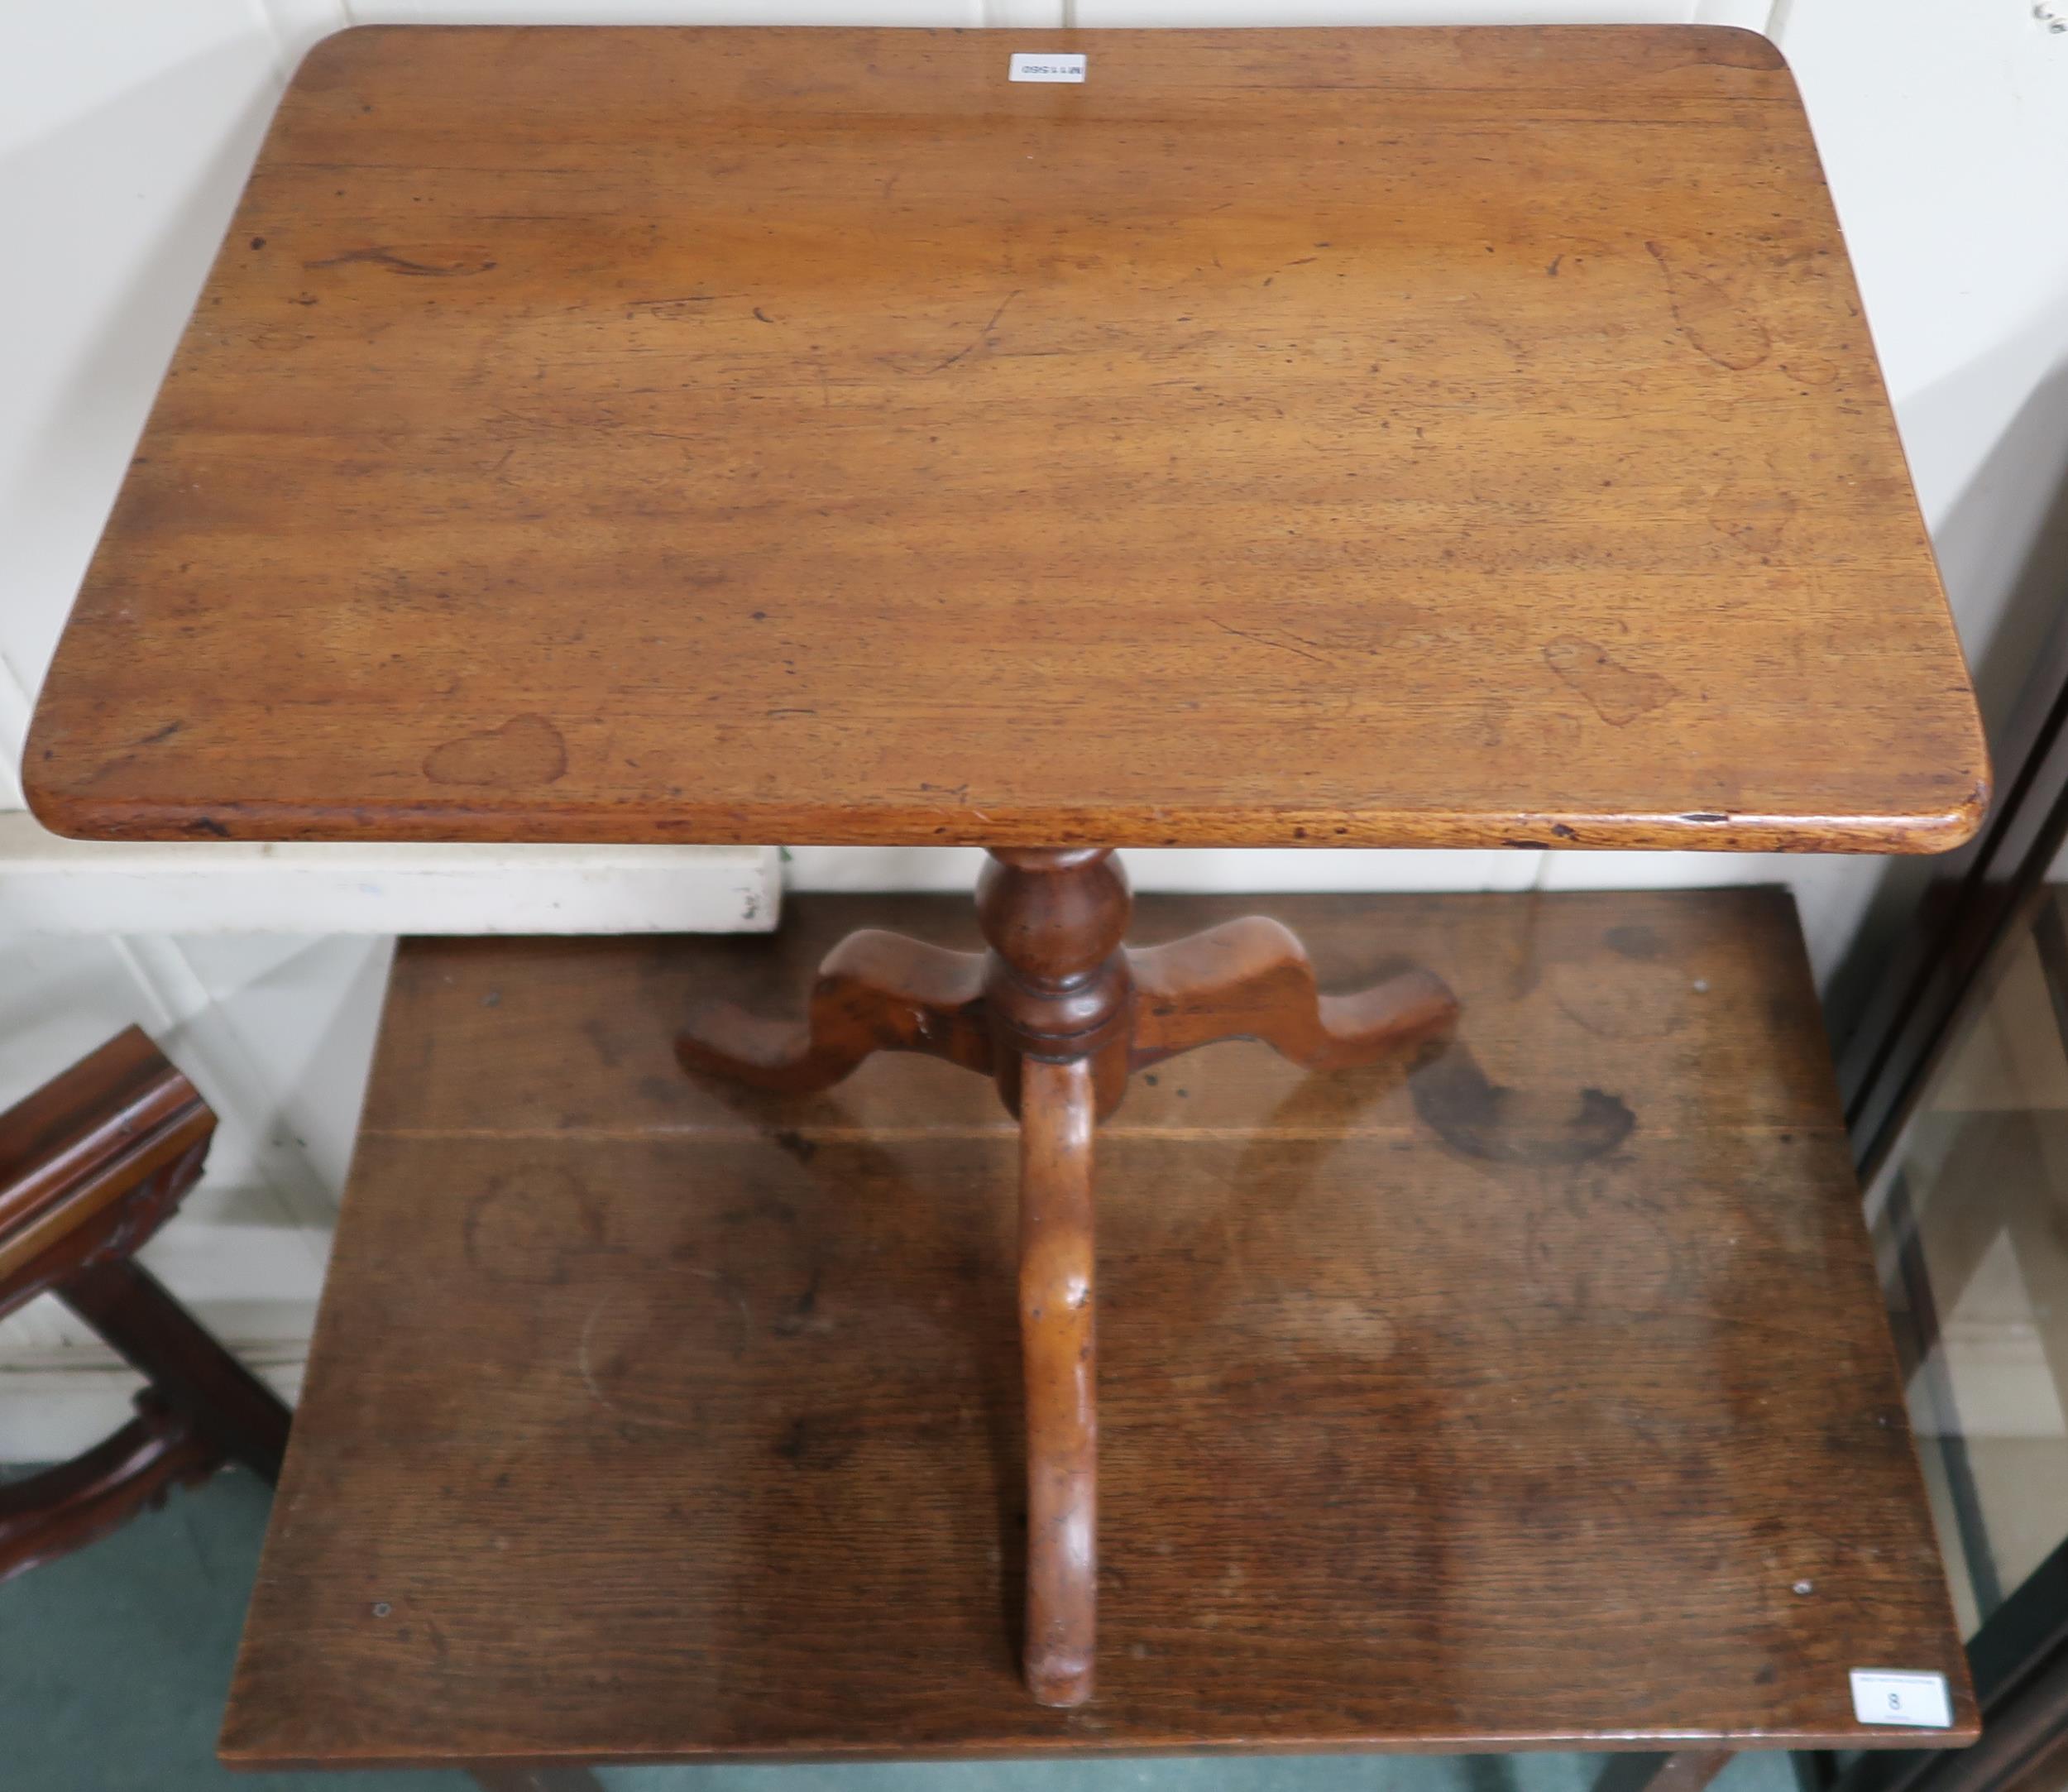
(1060,1012)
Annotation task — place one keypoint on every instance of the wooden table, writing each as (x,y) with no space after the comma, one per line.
(1387,437)
(1541,1399)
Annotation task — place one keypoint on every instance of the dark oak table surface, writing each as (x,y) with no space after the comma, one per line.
(1541,1398)
(1374,437)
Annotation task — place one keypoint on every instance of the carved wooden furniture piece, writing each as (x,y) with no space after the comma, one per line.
(1060,1012)
(91,1165)
(1395,437)
(1540,1397)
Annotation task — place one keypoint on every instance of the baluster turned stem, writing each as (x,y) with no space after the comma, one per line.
(1059,1351)
(1059,995)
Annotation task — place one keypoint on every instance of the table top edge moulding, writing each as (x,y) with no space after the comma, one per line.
(644,435)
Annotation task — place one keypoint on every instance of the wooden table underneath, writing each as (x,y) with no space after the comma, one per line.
(1542,1397)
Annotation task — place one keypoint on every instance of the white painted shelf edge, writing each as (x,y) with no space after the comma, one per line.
(52,885)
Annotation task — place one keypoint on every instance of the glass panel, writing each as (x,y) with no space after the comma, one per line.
(1971,1226)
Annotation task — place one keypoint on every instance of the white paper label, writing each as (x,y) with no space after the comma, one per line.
(1885,1695)
(1048,65)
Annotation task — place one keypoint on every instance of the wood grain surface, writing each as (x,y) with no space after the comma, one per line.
(1542,1398)
(1457,437)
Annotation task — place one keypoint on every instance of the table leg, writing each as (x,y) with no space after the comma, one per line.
(192,1373)
(1060,1013)
(1251,978)
(875,992)
(1058,1345)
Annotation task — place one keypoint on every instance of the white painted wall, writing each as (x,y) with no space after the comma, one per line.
(1943,125)
(126,127)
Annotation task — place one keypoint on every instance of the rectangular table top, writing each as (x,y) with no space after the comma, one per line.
(1543,1398)
(1385,436)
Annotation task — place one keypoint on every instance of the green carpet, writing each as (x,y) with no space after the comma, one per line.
(114,1663)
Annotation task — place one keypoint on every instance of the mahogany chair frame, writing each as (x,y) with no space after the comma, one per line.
(91,1166)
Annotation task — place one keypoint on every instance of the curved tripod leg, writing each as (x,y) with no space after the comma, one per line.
(1251,979)
(1057,1104)
(876,992)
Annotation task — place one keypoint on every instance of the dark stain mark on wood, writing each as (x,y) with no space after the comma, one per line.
(669,308)
(529,1226)
(903,363)
(1618,694)
(525,751)
(1267,640)
(1754,516)
(1495,1124)
(803,1149)
(1710,317)
(802,1314)
(816,1441)
(165,733)
(1634,940)
(454,263)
